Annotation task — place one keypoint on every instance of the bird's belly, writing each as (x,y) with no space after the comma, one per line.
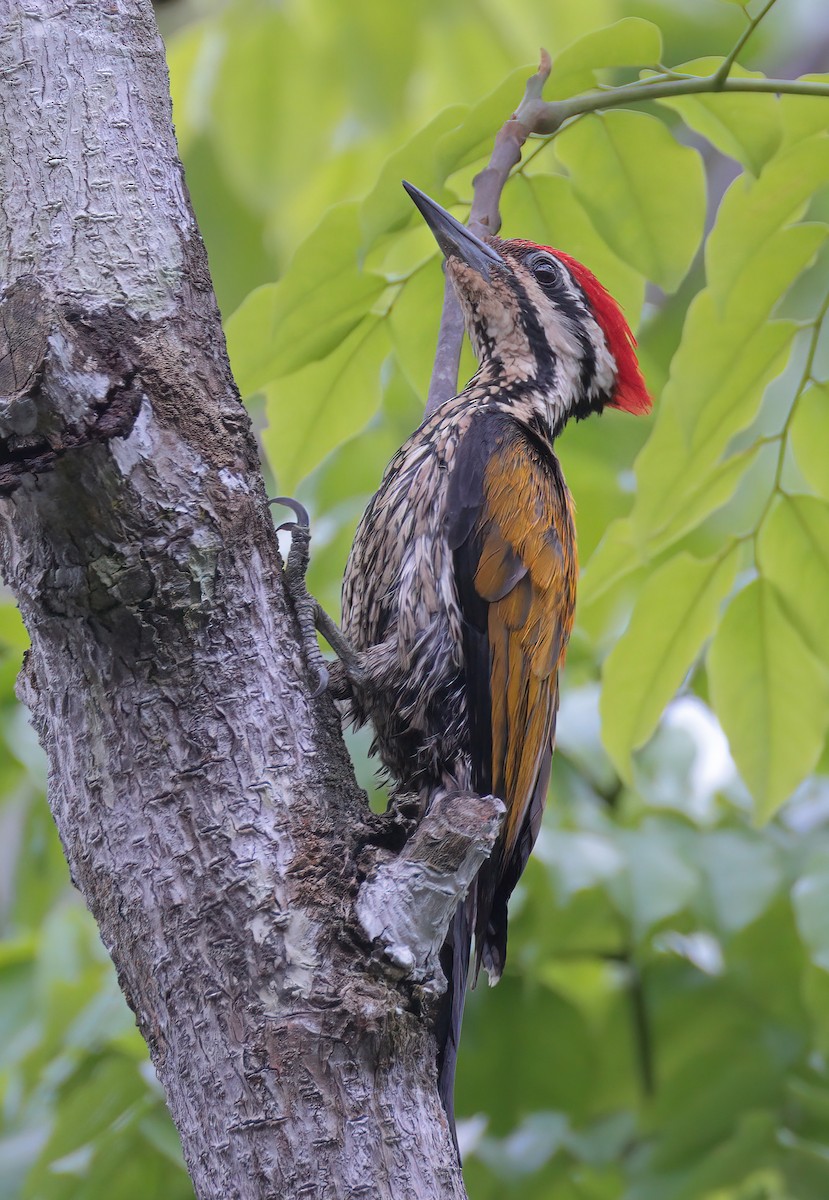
(424,738)
(419,711)
(400,608)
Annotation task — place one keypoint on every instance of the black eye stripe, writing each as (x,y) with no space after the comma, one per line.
(544,267)
(557,283)
(571,302)
(552,277)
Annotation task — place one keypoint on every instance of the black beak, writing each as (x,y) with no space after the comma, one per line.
(454,239)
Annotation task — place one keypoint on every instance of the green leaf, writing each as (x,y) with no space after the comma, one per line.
(488,1072)
(644,192)
(770,695)
(717,363)
(703,495)
(161,1133)
(719,374)
(804,116)
(591,986)
(12,630)
(387,206)
(743,873)
(717,412)
(810,897)
(240,264)
(93,1103)
(580,860)
(629,42)
(414,320)
(657,882)
(313,410)
(674,614)
(598,456)
(793,553)
(545,209)
(377,47)
(745,127)
(192,58)
(322,296)
(263,77)
(809,437)
(816,997)
(471,138)
(752,211)
(617,555)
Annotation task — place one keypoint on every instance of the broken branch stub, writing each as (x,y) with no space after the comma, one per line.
(407,905)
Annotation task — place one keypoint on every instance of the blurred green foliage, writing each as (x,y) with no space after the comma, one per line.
(662,1031)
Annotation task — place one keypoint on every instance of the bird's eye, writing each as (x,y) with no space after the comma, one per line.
(545,271)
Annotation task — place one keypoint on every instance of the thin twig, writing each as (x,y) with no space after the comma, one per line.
(443,384)
(535,116)
(724,70)
(554,113)
(484,219)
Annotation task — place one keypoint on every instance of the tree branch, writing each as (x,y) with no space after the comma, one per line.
(484,219)
(408,903)
(554,113)
(538,117)
(728,62)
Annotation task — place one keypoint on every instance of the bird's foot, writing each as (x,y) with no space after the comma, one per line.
(338,678)
(305,606)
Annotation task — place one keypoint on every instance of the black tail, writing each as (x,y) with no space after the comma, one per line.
(455,963)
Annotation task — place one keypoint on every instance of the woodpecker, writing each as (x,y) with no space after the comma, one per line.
(459,593)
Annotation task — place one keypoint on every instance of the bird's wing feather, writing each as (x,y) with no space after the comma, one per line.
(511,530)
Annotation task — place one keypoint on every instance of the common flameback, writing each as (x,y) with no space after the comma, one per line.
(460,588)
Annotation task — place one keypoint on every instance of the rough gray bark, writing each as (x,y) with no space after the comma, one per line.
(206,805)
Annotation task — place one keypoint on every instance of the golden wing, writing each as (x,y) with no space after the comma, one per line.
(511,529)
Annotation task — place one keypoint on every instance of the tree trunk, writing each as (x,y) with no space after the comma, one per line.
(206,804)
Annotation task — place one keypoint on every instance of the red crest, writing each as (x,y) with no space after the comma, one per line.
(630,392)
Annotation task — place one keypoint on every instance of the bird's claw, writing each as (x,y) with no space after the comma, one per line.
(299,511)
(310,615)
(322,680)
(305,605)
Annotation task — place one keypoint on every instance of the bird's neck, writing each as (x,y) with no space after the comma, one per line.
(542,402)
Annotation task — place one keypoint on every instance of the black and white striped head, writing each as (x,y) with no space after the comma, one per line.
(541,319)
